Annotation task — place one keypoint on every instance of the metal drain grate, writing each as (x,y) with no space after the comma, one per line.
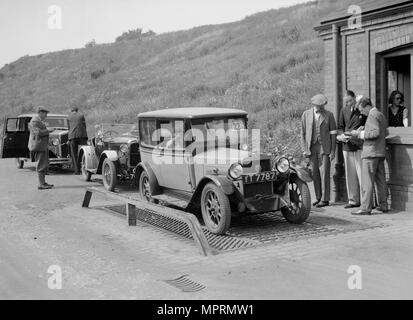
(185,284)
(161,221)
(227,242)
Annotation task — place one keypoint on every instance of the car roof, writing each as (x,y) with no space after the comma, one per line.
(49,115)
(192,113)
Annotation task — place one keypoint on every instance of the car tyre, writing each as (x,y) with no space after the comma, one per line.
(19,163)
(87,175)
(300,200)
(216,209)
(109,175)
(145,192)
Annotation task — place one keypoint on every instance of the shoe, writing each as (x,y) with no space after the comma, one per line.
(45,187)
(361,213)
(323,204)
(316,203)
(49,185)
(379,211)
(348,206)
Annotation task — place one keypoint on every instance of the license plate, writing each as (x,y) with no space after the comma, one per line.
(259,177)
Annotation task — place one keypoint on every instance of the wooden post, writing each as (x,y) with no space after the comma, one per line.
(131,214)
(86,199)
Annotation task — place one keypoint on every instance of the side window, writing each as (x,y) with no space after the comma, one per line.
(166,131)
(146,130)
(15,125)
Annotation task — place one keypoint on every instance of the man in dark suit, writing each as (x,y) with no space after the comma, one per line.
(318,142)
(77,135)
(351,119)
(38,145)
(373,155)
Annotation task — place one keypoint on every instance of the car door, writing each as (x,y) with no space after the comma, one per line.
(175,169)
(15,138)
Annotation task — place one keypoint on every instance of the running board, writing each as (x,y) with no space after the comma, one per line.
(171,200)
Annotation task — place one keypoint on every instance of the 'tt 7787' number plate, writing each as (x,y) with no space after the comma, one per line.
(259,177)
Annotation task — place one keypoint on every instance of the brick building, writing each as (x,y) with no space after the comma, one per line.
(368,48)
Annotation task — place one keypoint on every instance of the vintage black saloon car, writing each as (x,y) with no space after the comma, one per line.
(199,159)
(112,152)
(16,136)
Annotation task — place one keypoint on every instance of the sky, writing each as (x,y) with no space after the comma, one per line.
(29,27)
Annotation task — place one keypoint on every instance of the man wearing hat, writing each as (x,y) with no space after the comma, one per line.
(318,142)
(38,145)
(77,135)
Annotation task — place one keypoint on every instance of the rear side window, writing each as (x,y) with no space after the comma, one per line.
(16,125)
(146,130)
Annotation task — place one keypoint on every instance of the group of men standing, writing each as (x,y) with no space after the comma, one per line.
(362,130)
(39,141)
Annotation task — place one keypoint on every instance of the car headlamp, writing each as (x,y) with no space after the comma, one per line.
(123,148)
(55,142)
(235,171)
(283,165)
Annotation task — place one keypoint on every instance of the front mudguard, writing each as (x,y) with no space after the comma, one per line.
(302,173)
(222,182)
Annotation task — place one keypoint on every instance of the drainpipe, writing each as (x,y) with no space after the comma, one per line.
(339,183)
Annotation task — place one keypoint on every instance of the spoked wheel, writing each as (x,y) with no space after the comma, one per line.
(216,209)
(145,188)
(109,174)
(300,202)
(19,163)
(87,175)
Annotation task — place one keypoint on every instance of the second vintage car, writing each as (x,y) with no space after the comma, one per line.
(190,159)
(16,137)
(113,152)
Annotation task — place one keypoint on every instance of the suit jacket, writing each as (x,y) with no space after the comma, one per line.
(77,126)
(374,135)
(348,121)
(327,129)
(39,135)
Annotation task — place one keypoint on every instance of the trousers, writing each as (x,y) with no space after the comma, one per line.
(320,165)
(42,159)
(74,149)
(373,174)
(352,166)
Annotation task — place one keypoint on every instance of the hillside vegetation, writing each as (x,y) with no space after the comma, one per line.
(269,64)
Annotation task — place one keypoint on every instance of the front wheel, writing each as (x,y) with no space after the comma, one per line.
(87,175)
(109,175)
(300,202)
(216,209)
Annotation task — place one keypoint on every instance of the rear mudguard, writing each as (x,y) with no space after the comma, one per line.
(153,181)
(90,156)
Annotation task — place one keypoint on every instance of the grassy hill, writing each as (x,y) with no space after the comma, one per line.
(269,64)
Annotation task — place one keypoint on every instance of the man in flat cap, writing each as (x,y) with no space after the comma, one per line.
(318,142)
(38,145)
(77,135)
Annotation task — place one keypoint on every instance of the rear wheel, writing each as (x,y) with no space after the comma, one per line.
(300,202)
(145,192)
(109,176)
(87,175)
(216,209)
(19,163)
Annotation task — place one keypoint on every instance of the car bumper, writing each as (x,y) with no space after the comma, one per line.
(60,161)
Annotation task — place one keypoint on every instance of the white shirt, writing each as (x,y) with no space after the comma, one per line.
(316,115)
